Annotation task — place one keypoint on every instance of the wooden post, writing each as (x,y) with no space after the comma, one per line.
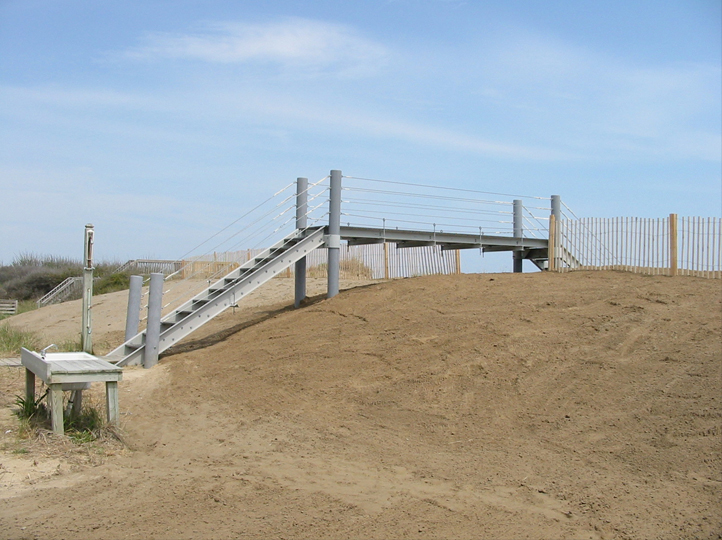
(29,386)
(55,395)
(111,401)
(672,244)
(458,261)
(551,245)
(386,260)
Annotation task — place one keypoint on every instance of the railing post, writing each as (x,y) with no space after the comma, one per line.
(518,233)
(132,319)
(555,242)
(301,223)
(152,332)
(86,335)
(333,240)
(673,244)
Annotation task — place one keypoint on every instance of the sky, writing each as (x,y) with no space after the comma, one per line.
(162,121)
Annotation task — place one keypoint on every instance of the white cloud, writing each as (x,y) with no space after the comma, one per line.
(292,44)
(613,104)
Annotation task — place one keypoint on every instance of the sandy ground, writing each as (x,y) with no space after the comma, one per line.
(584,405)
(61,323)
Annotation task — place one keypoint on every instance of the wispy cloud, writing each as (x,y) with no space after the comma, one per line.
(293,43)
(649,109)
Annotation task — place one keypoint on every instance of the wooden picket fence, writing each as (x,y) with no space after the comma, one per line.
(8,306)
(372,261)
(670,246)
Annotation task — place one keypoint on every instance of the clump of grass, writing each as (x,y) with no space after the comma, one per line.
(112,283)
(70,344)
(12,339)
(31,409)
(86,426)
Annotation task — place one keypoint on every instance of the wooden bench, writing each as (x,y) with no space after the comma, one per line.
(8,307)
(70,371)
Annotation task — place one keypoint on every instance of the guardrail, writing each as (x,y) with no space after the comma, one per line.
(8,307)
(62,292)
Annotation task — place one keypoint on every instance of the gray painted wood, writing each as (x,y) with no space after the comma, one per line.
(111,401)
(55,396)
(71,370)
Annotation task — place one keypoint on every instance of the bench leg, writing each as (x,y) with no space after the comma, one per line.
(111,401)
(29,386)
(77,397)
(56,407)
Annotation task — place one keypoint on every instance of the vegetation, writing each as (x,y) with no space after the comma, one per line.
(348,269)
(12,339)
(31,276)
(86,426)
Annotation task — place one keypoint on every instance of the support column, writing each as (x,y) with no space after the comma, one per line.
(553,254)
(132,319)
(111,401)
(55,397)
(301,223)
(76,397)
(29,386)
(333,241)
(518,233)
(86,337)
(152,333)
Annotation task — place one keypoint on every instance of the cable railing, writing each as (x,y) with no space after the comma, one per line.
(433,208)
(263,225)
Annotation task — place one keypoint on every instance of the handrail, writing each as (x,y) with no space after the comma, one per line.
(59,289)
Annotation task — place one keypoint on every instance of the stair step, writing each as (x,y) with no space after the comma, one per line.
(195,312)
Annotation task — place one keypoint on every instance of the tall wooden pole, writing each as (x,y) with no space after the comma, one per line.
(86,336)
(672,244)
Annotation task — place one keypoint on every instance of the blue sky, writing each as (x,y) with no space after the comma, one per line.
(161,121)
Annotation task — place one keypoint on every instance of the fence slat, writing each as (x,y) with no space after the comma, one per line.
(659,246)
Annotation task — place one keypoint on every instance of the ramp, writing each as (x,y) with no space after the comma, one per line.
(222,294)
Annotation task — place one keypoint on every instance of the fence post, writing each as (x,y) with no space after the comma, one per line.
(152,332)
(301,223)
(132,319)
(518,254)
(86,336)
(333,240)
(556,209)
(386,260)
(672,244)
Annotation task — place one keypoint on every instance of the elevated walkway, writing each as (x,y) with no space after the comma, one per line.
(235,286)
(534,249)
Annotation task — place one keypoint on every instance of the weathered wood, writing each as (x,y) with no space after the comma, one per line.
(72,370)
(552,244)
(77,399)
(8,307)
(29,386)
(672,244)
(111,401)
(55,397)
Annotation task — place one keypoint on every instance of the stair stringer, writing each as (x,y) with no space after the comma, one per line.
(221,295)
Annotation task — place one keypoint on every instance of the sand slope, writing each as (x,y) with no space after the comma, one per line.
(584,405)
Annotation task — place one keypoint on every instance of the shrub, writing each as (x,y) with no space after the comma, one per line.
(11,339)
(112,283)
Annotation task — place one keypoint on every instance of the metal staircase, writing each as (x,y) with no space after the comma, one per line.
(223,294)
